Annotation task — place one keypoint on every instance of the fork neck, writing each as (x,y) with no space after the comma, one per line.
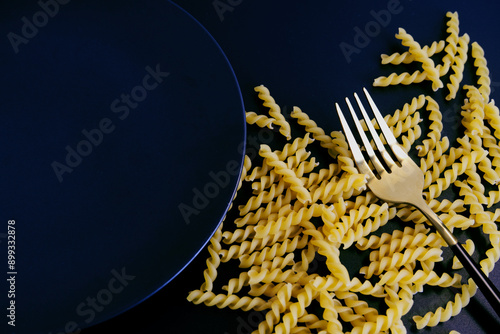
(445,233)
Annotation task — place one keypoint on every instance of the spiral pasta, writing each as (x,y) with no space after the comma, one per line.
(400,79)
(432,73)
(304,207)
(452,40)
(260,120)
(272,159)
(482,70)
(452,308)
(311,127)
(274,111)
(458,66)
(407,58)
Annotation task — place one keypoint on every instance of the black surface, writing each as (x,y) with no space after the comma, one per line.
(293,47)
(484,284)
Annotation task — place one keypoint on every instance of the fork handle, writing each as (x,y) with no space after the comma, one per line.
(487,287)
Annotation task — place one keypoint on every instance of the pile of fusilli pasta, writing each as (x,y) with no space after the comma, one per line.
(302,214)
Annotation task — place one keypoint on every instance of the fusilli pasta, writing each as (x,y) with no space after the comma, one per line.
(299,216)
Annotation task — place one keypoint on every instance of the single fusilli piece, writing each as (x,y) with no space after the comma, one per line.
(261,120)
(404,78)
(232,301)
(453,31)
(482,70)
(452,308)
(274,111)
(458,67)
(213,262)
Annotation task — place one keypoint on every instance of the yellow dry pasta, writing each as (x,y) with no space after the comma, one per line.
(274,111)
(303,207)
(458,67)
(436,127)
(400,79)
(423,55)
(406,57)
(432,73)
(482,70)
(469,247)
(260,120)
(272,159)
(452,41)
(311,127)
(443,314)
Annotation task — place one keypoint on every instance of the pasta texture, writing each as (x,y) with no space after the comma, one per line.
(314,251)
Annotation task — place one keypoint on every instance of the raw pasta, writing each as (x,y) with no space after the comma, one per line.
(297,217)
(455,48)
(430,70)
(406,57)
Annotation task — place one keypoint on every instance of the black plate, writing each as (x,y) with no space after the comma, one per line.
(121,131)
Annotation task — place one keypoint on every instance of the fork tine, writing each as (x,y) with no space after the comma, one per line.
(380,146)
(366,143)
(389,137)
(356,152)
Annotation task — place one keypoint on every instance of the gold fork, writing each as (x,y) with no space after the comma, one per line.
(399,180)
